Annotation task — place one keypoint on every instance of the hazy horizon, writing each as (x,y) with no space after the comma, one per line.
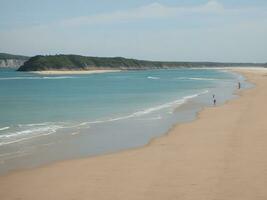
(192,30)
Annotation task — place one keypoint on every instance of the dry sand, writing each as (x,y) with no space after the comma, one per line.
(220,156)
(64,72)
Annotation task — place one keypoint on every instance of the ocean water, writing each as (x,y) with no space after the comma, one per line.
(50,118)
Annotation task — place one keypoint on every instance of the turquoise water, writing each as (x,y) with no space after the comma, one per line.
(48,118)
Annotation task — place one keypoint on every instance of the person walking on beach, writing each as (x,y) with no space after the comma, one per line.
(214,102)
(239,85)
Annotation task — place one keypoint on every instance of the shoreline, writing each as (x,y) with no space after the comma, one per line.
(59,72)
(185,111)
(158,145)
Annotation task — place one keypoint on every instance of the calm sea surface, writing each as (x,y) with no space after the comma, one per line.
(50,118)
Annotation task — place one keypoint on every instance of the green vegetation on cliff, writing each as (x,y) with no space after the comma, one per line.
(77,62)
(11,61)
(6,56)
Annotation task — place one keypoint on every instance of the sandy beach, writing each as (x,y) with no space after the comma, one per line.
(220,156)
(65,72)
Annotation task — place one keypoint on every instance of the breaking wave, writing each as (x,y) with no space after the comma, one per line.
(30,131)
(150,110)
(153,77)
(4,128)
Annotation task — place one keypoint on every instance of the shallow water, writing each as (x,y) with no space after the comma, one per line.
(49,118)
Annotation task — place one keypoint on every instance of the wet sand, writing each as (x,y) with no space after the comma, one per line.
(220,156)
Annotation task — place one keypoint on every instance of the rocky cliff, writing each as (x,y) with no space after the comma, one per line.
(12,61)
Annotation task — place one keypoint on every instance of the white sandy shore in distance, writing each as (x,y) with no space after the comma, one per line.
(222,155)
(63,72)
(250,69)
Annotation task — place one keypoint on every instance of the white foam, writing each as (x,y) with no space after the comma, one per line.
(41,124)
(29,131)
(203,79)
(197,78)
(153,77)
(151,118)
(149,110)
(22,135)
(75,133)
(4,128)
(24,139)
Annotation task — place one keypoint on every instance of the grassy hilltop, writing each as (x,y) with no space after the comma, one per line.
(77,62)
(6,56)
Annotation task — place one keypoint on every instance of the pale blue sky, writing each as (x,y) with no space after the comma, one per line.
(178,30)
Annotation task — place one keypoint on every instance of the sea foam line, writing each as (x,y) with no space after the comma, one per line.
(153,77)
(4,128)
(197,78)
(27,138)
(48,128)
(41,124)
(149,110)
(29,131)
(42,129)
